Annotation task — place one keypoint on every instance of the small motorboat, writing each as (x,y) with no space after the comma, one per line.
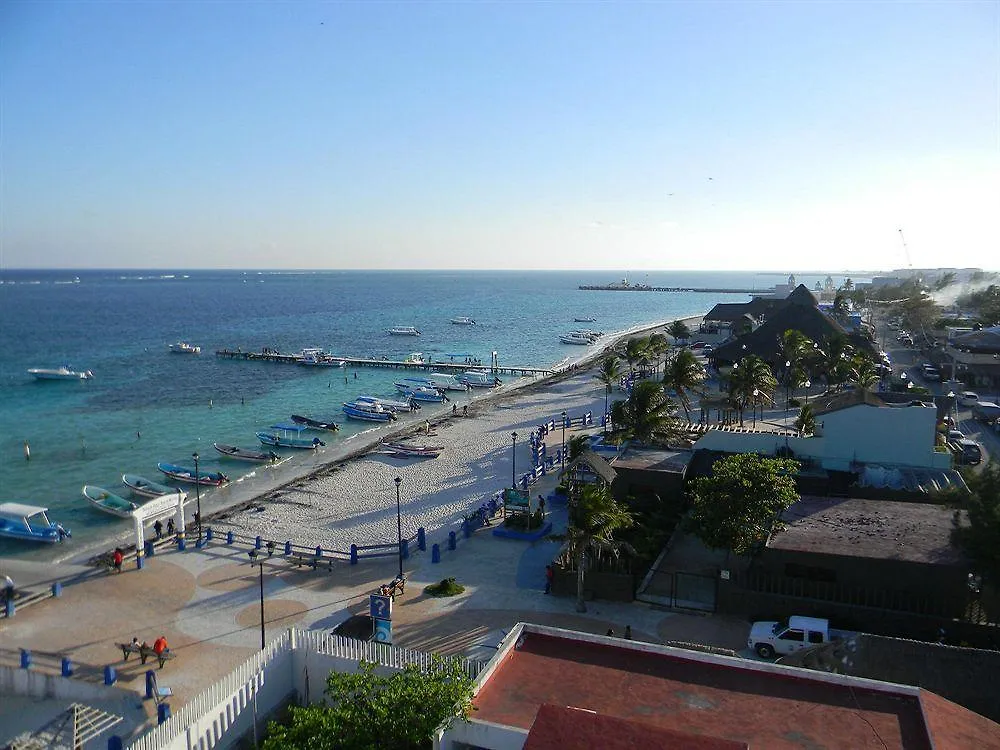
(144,487)
(576,338)
(403,331)
(463,321)
(584,320)
(316,424)
(437,380)
(183,347)
(246,454)
(314,357)
(60,373)
(368,411)
(389,403)
(479,379)
(183,474)
(30,523)
(109,502)
(289,436)
(412,451)
(420,392)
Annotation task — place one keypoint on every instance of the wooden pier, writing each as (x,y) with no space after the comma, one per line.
(453,368)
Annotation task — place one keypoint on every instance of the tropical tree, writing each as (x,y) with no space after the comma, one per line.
(679,331)
(608,372)
(636,351)
(834,360)
(750,383)
(795,348)
(741,502)
(684,374)
(595,516)
(646,414)
(576,445)
(658,347)
(805,423)
(981,538)
(369,710)
(863,372)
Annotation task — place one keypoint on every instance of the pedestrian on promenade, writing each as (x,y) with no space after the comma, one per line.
(8,588)
(541,506)
(158,528)
(118,558)
(170,527)
(549,575)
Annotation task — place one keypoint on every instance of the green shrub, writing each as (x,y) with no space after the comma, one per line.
(447,587)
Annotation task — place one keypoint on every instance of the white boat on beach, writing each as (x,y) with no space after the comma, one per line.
(183,347)
(60,373)
(576,338)
(388,403)
(403,331)
(403,450)
(463,321)
(479,379)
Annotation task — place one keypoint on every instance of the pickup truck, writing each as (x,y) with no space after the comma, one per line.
(768,639)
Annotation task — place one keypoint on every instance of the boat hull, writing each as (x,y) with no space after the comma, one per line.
(244,454)
(316,424)
(144,487)
(109,502)
(280,441)
(367,415)
(62,373)
(183,474)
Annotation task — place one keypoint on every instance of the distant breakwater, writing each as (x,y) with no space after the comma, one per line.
(644,288)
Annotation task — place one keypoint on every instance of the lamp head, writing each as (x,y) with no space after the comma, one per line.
(398,481)
(195,455)
(513,435)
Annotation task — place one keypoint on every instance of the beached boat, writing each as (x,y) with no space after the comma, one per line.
(183,474)
(576,338)
(412,451)
(463,321)
(368,412)
(183,347)
(144,487)
(316,424)
(246,454)
(289,436)
(584,320)
(403,331)
(109,502)
(389,403)
(420,392)
(60,373)
(479,379)
(30,523)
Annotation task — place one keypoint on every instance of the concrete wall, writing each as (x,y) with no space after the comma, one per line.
(895,436)
(481,734)
(29,683)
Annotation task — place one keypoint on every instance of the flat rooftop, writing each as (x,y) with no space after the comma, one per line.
(761,705)
(878,529)
(653,459)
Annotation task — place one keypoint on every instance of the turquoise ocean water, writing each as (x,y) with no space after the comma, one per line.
(145,405)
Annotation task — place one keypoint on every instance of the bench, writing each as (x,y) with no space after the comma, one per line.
(396,586)
(145,652)
(314,562)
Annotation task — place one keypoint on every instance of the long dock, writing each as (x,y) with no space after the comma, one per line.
(447,367)
(644,288)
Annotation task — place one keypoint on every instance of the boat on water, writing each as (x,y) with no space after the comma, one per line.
(316,424)
(479,379)
(412,451)
(289,436)
(30,523)
(584,320)
(246,454)
(391,404)
(184,474)
(314,357)
(415,358)
(436,380)
(418,392)
(60,373)
(144,487)
(367,411)
(576,338)
(109,502)
(183,347)
(463,321)
(403,331)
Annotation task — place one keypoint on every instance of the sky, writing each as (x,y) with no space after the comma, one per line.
(515,135)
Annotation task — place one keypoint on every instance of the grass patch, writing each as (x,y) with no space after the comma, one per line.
(447,587)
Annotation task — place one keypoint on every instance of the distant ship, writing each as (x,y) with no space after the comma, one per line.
(617,286)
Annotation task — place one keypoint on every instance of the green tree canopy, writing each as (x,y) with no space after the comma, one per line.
(739,505)
(608,372)
(646,414)
(679,330)
(981,538)
(370,711)
(595,516)
(684,374)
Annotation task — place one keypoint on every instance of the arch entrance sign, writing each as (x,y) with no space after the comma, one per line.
(156,509)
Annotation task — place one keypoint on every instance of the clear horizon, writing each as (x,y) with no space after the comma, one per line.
(362,136)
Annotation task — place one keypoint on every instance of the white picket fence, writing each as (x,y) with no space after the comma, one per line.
(236,704)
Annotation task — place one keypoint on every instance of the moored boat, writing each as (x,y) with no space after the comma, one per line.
(289,436)
(184,474)
(435,380)
(245,454)
(109,502)
(418,392)
(30,523)
(144,487)
(313,357)
(576,338)
(389,403)
(584,320)
(463,321)
(60,373)
(183,347)
(479,379)
(316,424)
(368,412)
(403,331)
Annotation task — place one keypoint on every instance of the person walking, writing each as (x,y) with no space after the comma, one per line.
(158,528)
(117,559)
(8,588)
(549,575)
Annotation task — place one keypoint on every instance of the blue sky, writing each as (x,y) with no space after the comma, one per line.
(632,136)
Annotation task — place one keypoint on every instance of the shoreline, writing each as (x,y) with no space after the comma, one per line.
(369,441)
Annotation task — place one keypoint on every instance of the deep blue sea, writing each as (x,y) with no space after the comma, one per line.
(146,405)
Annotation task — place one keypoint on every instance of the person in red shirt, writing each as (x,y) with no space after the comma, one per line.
(159,645)
(118,560)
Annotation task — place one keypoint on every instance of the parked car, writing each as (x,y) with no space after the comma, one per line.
(966,451)
(985,411)
(768,639)
(968,398)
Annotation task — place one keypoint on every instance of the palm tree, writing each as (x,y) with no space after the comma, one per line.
(576,445)
(795,348)
(646,415)
(835,360)
(863,372)
(594,519)
(658,346)
(608,372)
(679,330)
(751,382)
(806,422)
(684,373)
(635,351)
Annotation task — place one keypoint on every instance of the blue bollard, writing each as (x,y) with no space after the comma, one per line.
(421,539)
(451,540)
(258,543)
(181,544)
(404,547)
(288,547)
(435,554)
(9,608)
(67,667)
(110,675)
(25,659)
(162,712)
(140,561)
(150,684)
(57,589)
(229,537)
(208,534)
(354,554)
(115,742)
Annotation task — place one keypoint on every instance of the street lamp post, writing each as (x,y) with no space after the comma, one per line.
(513,460)
(562,453)
(197,493)
(399,528)
(252,554)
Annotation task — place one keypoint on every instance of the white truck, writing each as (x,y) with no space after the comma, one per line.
(770,639)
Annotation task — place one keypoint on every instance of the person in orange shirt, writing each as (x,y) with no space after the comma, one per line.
(159,646)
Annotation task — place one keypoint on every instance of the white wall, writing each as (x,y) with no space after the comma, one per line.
(476,733)
(893,436)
